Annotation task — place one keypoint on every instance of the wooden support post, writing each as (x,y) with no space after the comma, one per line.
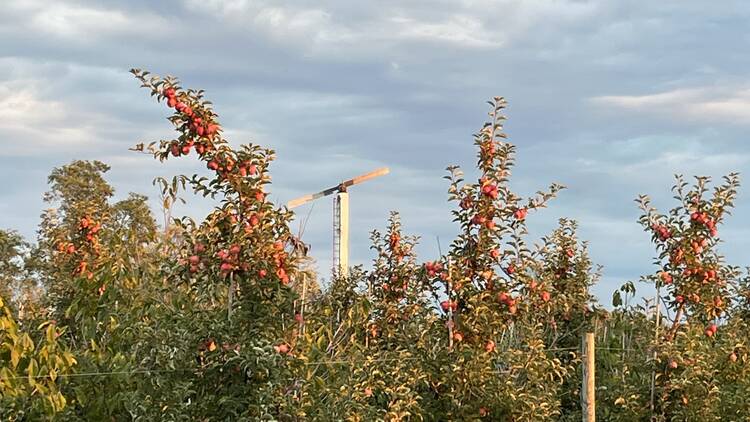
(588,385)
(230,300)
(450,309)
(657,321)
(302,305)
(342,203)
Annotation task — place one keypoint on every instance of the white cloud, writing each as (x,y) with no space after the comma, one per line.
(468,24)
(711,104)
(31,124)
(81,24)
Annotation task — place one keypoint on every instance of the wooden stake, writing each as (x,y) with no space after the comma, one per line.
(588,387)
(231,297)
(450,310)
(369,301)
(657,319)
(343,233)
(302,306)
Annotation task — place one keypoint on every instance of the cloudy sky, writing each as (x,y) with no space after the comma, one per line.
(610,98)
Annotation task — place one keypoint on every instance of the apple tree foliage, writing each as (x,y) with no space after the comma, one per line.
(107,317)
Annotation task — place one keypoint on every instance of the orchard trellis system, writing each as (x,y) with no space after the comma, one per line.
(134,323)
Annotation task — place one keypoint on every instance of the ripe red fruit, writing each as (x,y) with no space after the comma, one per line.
(281,273)
(545,296)
(226,267)
(458,336)
(520,213)
(679,298)
(213,165)
(483,411)
(252,169)
(195,259)
(172,102)
(71,249)
(711,330)
(298,318)
(200,149)
(495,253)
(193,269)
(666,277)
(260,196)
(490,190)
(445,305)
(262,273)
(368,392)
(282,348)
(510,269)
(185,149)
(199,130)
(449,305)
(733,357)
(234,249)
(490,346)
(199,248)
(169,92)
(175,150)
(673,364)
(502,297)
(243,171)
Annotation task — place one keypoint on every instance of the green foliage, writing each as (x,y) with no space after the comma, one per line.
(30,373)
(223,318)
